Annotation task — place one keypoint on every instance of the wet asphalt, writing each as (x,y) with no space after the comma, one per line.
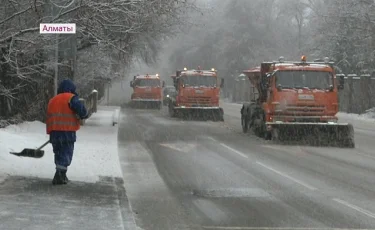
(182,174)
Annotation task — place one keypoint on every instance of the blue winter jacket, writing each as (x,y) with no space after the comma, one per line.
(67,86)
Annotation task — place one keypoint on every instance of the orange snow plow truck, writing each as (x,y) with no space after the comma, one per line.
(296,101)
(147,91)
(197,95)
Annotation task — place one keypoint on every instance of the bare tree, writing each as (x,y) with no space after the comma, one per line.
(121,30)
(345,30)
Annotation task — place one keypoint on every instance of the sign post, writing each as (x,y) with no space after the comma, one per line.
(57,28)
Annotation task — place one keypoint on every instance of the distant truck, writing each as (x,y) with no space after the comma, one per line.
(147,91)
(197,95)
(295,101)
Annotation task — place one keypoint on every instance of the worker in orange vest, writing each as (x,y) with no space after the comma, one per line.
(63,120)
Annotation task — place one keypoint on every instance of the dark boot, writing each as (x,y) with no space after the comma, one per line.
(65,177)
(59,179)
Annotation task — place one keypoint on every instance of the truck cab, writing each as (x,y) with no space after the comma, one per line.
(298,91)
(296,99)
(198,93)
(147,90)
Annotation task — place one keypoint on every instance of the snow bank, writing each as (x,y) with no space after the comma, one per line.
(95,152)
(368,116)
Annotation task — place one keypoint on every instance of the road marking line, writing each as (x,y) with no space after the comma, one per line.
(181,147)
(233,150)
(286,176)
(211,138)
(276,228)
(361,210)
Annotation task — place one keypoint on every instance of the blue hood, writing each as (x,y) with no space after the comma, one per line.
(67,86)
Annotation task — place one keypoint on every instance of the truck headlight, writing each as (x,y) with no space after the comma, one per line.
(167,95)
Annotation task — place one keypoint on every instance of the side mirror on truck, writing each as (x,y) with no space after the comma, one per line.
(131,84)
(175,84)
(163,84)
(222,83)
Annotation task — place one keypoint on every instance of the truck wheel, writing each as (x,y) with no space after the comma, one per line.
(268,136)
(245,122)
(258,128)
(171,110)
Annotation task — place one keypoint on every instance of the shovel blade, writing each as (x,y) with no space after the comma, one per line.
(33,153)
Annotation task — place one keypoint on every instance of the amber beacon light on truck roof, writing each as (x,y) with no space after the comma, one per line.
(199,69)
(325,61)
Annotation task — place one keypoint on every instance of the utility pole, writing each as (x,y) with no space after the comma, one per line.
(66,43)
(65,46)
(56,63)
(108,87)
(55,12)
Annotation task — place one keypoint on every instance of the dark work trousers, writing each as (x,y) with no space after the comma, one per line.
(63,154)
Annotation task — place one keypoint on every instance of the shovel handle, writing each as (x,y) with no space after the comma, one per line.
(43,145)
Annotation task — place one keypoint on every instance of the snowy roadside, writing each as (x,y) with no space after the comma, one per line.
(95,152)
(369,116)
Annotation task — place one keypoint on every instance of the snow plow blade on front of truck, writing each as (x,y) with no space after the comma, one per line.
(320,134)
(199,113)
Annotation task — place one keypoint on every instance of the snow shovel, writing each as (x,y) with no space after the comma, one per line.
(34,153)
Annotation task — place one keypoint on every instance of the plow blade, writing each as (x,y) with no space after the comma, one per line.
(215,114)
(321,134)
(145,104)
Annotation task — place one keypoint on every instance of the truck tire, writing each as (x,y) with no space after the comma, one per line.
(257,128)
(245,122)
(268,136)
(171,110)
(257,119)
(246,117)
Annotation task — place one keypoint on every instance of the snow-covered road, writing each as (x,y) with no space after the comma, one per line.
(156,172)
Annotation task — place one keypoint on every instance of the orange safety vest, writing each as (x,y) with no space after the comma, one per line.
(60,117)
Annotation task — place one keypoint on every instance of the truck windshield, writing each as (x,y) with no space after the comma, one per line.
(304,79)
(147,83)
(199,80)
